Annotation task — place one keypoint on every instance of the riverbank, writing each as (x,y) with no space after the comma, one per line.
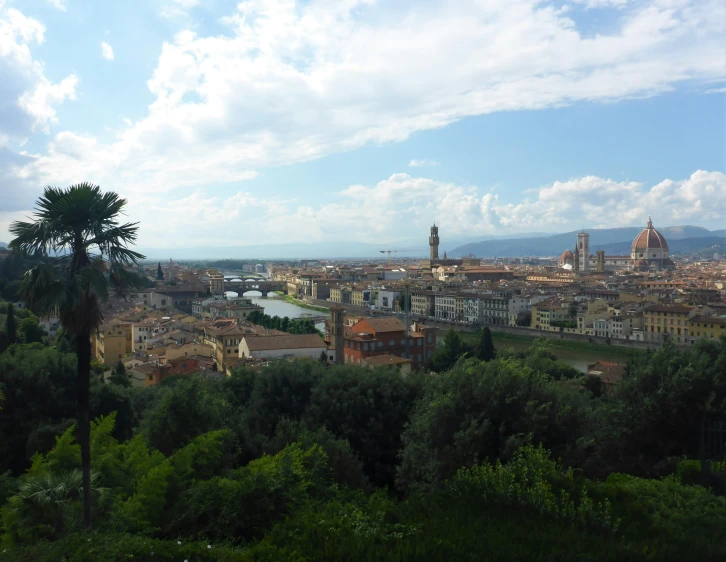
(302,304)
(569,345)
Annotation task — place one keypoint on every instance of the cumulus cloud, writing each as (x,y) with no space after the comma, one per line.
(27,97)
(403,206)
(293,81)
(422,163)
(106,51)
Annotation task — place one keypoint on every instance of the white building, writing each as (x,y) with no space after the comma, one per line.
(279,347)
(386,298)
(445,306)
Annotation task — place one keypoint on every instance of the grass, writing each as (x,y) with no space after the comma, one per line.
(303,304)
(556,343)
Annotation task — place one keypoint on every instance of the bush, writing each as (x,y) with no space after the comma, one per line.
(527,482)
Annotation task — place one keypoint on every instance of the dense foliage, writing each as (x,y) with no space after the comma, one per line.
(508,458)
(285,324)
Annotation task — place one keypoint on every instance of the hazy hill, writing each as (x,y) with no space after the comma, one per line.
(600,239)
(3,245)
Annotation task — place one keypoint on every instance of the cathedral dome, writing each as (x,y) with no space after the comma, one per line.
(649,239)
(567,256)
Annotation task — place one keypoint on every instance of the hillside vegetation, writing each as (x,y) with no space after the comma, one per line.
(518,457)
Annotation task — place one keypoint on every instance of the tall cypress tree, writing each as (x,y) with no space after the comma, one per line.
(486,345)
(159,272)
(11,325)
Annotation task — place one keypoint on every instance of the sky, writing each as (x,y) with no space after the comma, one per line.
(278,121)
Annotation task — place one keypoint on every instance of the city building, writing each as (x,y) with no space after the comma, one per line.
(282,346)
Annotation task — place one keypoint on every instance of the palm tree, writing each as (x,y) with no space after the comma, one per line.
(84,254)
(56,490)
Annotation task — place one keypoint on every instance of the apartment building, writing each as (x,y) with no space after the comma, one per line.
(661,322)
(386,336)
(423,302)
(111,342)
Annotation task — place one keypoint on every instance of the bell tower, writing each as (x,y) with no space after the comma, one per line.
(583,248)
(434,243)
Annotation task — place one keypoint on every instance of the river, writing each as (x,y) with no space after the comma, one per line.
(276,306)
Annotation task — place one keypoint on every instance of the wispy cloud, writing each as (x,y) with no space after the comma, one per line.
(58,4)
(423,163)
(106,51)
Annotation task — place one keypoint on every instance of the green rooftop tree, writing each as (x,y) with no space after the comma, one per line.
(84,255)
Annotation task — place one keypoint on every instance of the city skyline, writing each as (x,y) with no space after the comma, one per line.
(238,126)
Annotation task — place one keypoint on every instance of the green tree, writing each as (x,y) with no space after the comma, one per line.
(84,248)
(445,357)
(118,376)
(159,272)
(11,325)
(483,410)
(485,350)
(368,408)
(30,331)
(187,407)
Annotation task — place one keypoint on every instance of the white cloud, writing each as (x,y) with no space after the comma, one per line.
(594,4)
(295,81)
(177,8)
(106,51)
(58,4)
(28,98)
(422,163)
(403,206)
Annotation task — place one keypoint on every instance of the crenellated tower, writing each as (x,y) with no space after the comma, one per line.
(434,243)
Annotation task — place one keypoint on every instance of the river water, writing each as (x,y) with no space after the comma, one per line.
(276,306)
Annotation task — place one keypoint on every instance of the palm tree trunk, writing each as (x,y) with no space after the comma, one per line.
(83,429)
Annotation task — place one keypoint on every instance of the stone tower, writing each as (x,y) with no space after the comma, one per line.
(600,260)
(434,243)
(583,250)
(336,332)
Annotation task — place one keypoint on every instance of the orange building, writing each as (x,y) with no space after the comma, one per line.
(385,336)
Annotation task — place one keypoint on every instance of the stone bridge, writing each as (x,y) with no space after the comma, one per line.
(264,287)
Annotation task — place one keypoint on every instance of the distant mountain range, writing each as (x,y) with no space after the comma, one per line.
(615,241)
(3,245)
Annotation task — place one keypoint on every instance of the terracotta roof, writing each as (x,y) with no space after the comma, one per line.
(290,341)
(387,324)
(649,238)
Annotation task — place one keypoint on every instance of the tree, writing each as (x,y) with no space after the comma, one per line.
(119,375)
(11,325)
(30,331)
(323,357)
(84,249)
(159,272)
(486,351)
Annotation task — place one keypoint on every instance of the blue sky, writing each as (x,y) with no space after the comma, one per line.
(228,123)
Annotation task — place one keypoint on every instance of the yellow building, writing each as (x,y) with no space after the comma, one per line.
(111,342)
(710,327)
(543,314)
(661,322)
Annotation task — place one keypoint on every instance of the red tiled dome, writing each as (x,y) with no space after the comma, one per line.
(567,255)
(649,239)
